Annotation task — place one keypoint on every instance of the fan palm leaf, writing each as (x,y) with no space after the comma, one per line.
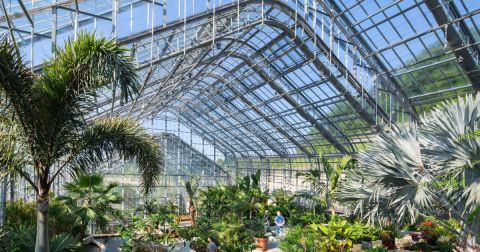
(429,170)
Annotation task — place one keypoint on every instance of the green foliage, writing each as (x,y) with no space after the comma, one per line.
(21,213)
(51,111)
(299,239)
(22,238)
(332,173)
(89,198)
(430,170)
(232,214)
(294,212)
(338,234)
(153,229)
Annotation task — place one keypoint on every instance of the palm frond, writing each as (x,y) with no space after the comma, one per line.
(68,85)
(105,137)
(16,83)
(64,242)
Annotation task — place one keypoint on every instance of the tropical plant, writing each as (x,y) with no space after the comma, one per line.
(332,173)
(10,158)
(51,110)
(22,238)
(151,230)
(229,213)
(89,198)
(191,186)
(21,213)
(336,236)
(149,207)
(426,170)
(299,239)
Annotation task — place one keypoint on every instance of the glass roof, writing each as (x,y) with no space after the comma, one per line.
(272,78)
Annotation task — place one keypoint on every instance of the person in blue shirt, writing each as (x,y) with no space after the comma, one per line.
(211,246)
(279,222)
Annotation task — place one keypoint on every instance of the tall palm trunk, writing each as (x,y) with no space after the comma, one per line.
(192,212)
(41,243)
(3,199)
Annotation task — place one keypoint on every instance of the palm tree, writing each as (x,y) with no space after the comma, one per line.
(432,169)
(50,111)
(191,186)
(89,198)
(332,173)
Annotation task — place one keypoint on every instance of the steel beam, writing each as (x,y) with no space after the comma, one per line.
(464,57)
(279,89)
(260,113)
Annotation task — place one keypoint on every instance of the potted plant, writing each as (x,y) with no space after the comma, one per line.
(388,239)
(259,233)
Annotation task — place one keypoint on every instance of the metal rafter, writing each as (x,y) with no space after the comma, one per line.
(465,58)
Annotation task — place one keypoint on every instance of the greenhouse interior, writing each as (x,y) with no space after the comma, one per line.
(239,125)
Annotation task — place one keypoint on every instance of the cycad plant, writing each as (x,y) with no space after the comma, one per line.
(51,108)
(92,200)
(429,170)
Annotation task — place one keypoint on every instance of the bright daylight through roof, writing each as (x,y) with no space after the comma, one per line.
(239,125)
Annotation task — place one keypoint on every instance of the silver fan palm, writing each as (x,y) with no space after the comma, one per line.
(429,170)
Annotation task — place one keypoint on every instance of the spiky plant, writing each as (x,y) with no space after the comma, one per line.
(432,169)
(50,110)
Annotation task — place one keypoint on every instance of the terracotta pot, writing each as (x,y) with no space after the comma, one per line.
(261,243)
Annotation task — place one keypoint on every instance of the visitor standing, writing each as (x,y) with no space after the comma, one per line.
(279,222)
(211,246)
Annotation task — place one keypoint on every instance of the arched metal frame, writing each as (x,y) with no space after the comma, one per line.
(245,79)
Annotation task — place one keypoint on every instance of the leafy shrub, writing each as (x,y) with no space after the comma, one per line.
(22,238)
(155,229)
(338,235)
(299,239)
(21,213)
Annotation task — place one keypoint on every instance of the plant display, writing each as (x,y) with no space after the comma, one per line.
(159,228)
(21,213)
(191,186)
(332,173)
(338,234)
(233,214)
(22,238)
(89,198)
(299,239)
(428,170)
(50,110)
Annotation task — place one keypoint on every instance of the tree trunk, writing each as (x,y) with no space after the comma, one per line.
(41,243)
(3,199)
(191,211)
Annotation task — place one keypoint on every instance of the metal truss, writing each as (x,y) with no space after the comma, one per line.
(263,79)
